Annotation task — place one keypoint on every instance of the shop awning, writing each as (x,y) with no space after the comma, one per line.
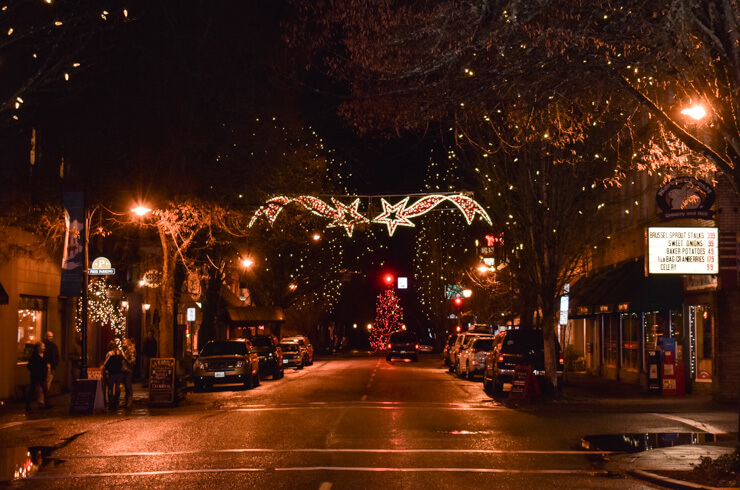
(3,295)
(625,288)
(255,315)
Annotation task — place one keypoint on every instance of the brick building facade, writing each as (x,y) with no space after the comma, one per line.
(619,314)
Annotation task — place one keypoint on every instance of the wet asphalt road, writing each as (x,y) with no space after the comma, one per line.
(358,422)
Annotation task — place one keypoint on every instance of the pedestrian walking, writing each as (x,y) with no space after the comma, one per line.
(38,367)
(52,357)
(148,351)
(129,353)
(114,363)
(75,357)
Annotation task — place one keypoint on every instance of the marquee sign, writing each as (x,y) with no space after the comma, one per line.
(683,250)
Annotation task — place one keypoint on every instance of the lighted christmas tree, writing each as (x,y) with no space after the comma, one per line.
(388,318)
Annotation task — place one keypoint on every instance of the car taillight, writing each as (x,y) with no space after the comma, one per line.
(560,360)
(417,346)
(501,358)
(389,346)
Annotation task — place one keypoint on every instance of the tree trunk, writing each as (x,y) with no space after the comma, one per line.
(167,319)
(549,326)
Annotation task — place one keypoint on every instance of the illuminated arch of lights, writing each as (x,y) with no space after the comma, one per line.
(393,215)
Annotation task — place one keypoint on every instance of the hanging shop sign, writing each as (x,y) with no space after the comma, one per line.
(682,250)
(685,197)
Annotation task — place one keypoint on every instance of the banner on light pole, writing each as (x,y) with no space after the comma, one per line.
(73,258)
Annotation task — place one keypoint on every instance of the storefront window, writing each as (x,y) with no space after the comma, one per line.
(702,330)
(678,332)
(31,324)
(630,341)
(611,339)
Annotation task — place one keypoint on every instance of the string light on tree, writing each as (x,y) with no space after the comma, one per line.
(388,319)
(101,309)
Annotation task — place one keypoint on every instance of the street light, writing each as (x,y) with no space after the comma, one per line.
(247,262)
(695,112)
(141,210)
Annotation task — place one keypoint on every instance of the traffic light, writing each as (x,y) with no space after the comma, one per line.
(458,301)
(388,280)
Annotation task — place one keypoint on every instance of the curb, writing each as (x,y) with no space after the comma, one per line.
(666,482)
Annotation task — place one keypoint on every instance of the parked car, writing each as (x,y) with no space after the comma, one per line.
(426,347)
(472,358)
(293,354)
(403,344)
(303,340)
(461,341)
(448,345)
(226,362)
(270,355)
(512,348)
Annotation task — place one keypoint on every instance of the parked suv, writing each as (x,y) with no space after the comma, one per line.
(303,341)
(462,341)
(472,359)
(293,354)
(225,362)
(512,348)
(403,344)
(270,355)
(448,345)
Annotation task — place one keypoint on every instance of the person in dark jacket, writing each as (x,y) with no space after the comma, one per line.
(148,351)
(52,357)
(38,367)
(114,365)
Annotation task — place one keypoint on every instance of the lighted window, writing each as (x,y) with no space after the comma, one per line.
(31,323)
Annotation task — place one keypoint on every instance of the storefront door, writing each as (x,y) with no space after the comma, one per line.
(701,325)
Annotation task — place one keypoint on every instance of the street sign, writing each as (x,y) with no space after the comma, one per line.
(101,267)
(403,283)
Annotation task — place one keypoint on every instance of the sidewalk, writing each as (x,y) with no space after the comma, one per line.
(12,410)
(660,466)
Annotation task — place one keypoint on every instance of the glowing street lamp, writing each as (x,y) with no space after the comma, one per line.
(141,210)
(248,263)
(695,112)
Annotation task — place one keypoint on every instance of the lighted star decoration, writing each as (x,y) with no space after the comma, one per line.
(347,216)
(393,215)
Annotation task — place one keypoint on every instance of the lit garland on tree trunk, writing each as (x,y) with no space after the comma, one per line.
(388,319)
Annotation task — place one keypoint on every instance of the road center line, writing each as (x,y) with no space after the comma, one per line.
(22,422)
(334,451)
(316,468)
(693,423)
(444,470)
(144,473)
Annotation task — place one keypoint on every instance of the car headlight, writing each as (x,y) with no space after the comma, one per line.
(199,365)
(270,354)
(239,364)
